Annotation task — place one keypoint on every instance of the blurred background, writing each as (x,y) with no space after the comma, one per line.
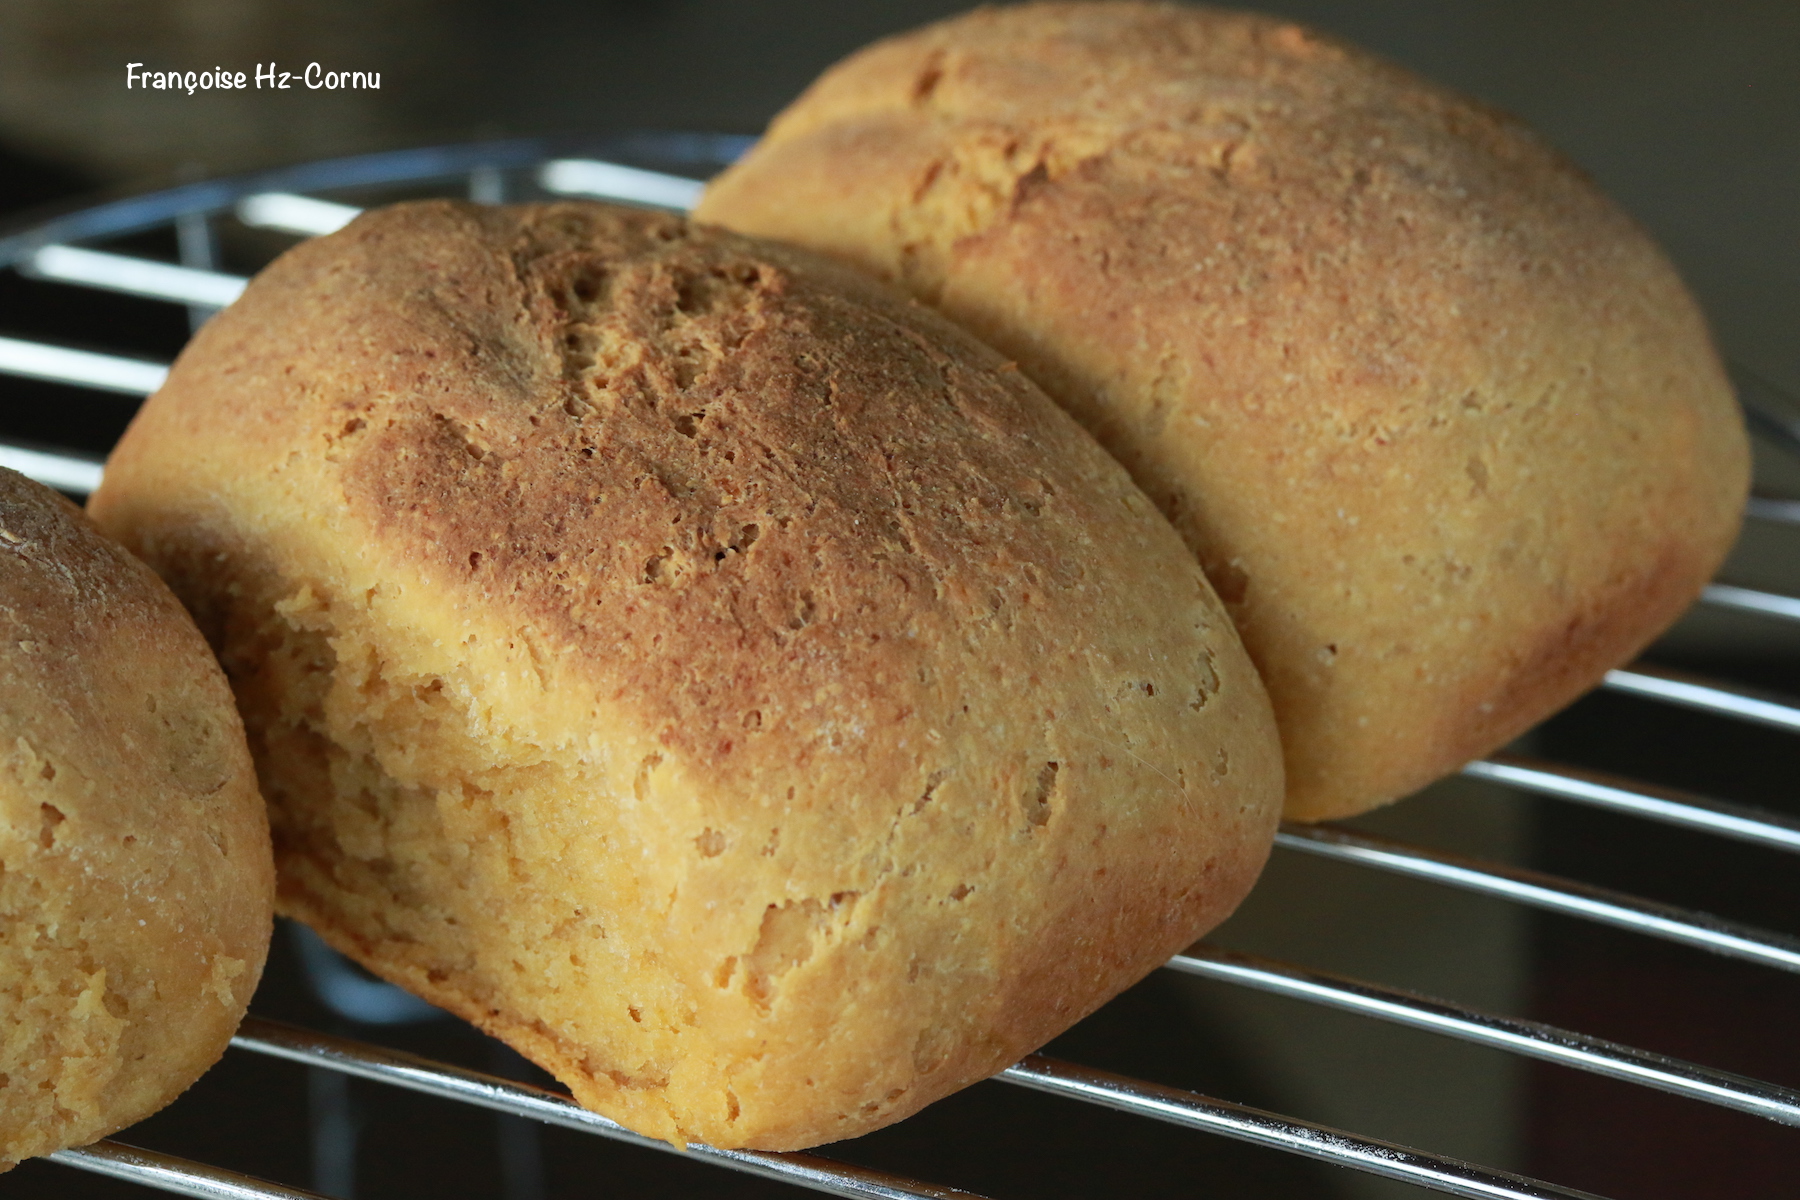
(1687,112)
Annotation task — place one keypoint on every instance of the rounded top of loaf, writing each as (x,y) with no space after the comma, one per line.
(89,635)
(131,831)
(1441,422)
(737,481)
(1157,101)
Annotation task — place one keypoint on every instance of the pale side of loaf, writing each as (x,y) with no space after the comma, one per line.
(695,663)
(135,875)
(1441,422)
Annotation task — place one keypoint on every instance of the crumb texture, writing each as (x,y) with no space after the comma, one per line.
(695,663)
(135,875)
(1441,423)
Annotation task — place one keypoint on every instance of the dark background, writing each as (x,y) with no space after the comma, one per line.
(1689,113)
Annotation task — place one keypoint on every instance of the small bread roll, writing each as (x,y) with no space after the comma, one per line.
(694,663)
(1442,425)
(135,877)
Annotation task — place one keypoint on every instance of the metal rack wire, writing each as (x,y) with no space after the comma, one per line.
(69,249)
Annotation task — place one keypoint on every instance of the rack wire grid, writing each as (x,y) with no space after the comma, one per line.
(102,249)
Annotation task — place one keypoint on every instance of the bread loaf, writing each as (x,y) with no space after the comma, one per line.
(135,877)
(692,662)
(1441,423)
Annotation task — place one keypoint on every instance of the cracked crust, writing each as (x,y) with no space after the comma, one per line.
(135,879)
(1442,424)
(694,663)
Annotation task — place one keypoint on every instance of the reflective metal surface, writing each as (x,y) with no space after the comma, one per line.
(64,472)
(1539,890)
(1162,1103)
(171,1174)
(1750,600)
(519,1099)
(81,368)
(703,153)
(1667,805)
(133,275)
(1673,687)
(1531,1038)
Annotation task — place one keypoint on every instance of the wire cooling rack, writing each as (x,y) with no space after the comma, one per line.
(82,249)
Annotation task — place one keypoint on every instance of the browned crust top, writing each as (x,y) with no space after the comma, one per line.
(1441,422)
(740,484)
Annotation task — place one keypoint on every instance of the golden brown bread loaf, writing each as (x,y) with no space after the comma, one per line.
(695,663)
(135,877)
(1441,423)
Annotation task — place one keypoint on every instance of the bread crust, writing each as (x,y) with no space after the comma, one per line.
(694,663)
(1440,421)
(135,874)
